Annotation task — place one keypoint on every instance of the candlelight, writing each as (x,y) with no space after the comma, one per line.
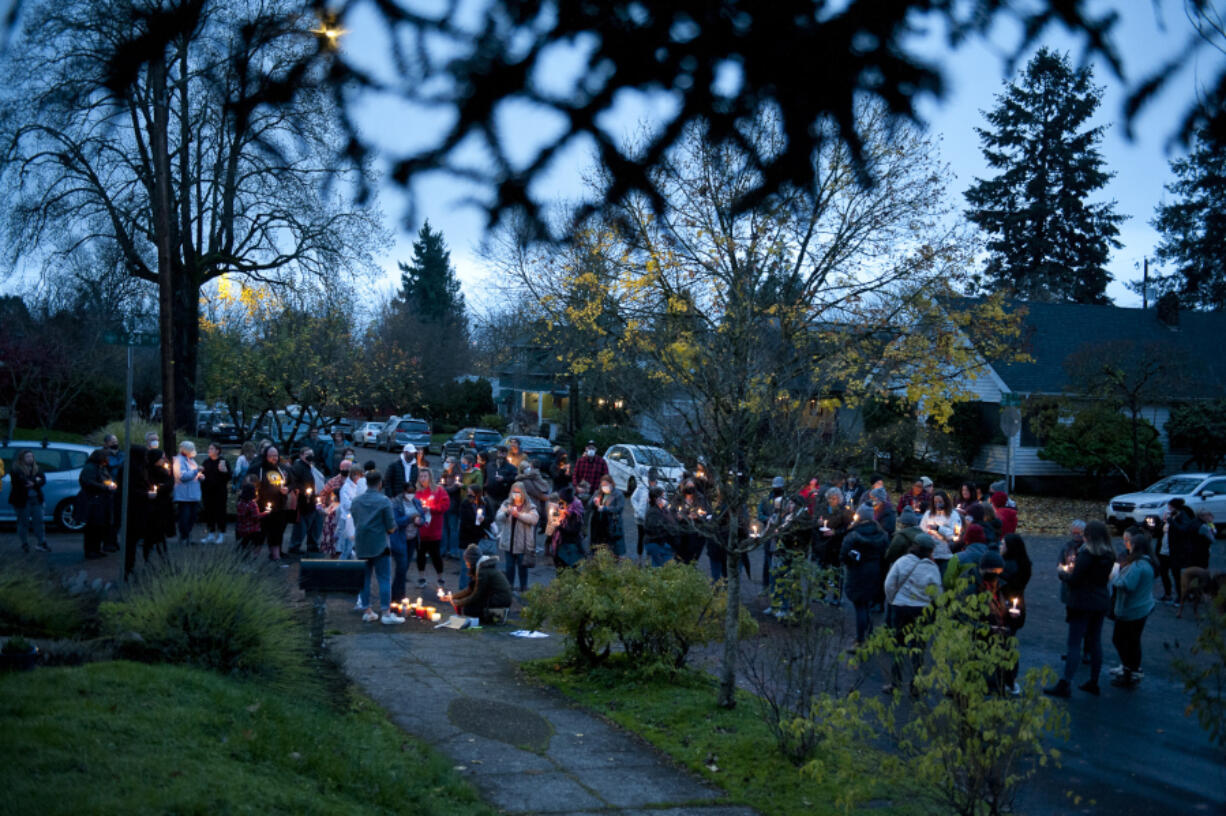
(441,595)
(268,507)
(755,529)
(435,617)
(418,603)
(1014,610)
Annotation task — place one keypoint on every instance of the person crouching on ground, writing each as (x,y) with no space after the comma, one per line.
(488,588)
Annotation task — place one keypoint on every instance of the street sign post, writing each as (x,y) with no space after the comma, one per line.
(131,339)
(1010,424)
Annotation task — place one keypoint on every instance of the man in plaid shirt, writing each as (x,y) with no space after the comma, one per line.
(590,467)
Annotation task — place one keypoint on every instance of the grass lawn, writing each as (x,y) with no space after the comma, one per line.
(680,718)
(128,738)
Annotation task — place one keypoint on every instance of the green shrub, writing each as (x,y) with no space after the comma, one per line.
(139,429)
(494,422)
(32,602)
(655,614)
(968,745)
(212,608)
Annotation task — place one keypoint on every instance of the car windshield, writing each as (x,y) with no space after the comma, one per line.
(416,425)
(1173,484)
(656,457)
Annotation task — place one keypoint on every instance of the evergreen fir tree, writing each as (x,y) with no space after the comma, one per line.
(429,288)
(1047,241)
(1193,228)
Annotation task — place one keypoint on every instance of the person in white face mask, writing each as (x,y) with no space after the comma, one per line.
(607,507)
(590,467)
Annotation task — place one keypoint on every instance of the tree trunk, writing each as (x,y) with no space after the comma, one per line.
(732,618)
(185,321)
(161,205)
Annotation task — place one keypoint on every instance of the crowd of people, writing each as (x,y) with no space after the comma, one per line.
(498,514)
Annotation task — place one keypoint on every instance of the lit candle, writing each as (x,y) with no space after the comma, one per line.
(418,603)
(268,507)
(755,529)
(435,617)
(1014,610)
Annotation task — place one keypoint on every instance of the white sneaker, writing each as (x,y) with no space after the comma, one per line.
(371,616)
(358,606)
(1117,671)
(389,619)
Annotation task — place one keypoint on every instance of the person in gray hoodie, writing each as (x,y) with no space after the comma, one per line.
(1134,601)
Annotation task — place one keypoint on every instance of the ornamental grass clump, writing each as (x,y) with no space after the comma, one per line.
(34,604)
(654,616)
(212,608)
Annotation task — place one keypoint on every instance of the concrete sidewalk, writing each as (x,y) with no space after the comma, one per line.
(525,748)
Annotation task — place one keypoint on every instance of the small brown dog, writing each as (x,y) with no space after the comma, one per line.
(1196,583)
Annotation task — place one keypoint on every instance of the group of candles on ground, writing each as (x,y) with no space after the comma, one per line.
(416,610)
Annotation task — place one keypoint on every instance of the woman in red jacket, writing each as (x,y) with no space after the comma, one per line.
(430,536)
(1004,513)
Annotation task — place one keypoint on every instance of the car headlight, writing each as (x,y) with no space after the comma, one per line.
(1150,505)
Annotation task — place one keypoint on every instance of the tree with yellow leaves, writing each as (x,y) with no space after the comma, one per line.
(748,321)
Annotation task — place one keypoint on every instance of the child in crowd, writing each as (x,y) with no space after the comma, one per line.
(250,536)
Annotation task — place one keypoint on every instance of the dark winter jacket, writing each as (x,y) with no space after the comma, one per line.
(1087,583)
(659,525)
(215,482)
(94,501)
(394,478)
(607,518)
(489,590)
(862,551)
(566,543)
(26,488)
(1184,531)
(471,530)
(268,491)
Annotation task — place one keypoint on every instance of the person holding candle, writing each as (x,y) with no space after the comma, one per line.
(160,521)
(188,476)
(690,509)
(248,531)
(373,522)
(93,503)
(659,528)
(1006,515)
(353,487)
(1088,602)
(410,516)
(329,506)
(517,520)
(272,488)
(608,505)
(515,456)
(213,494)
(433,499)
(306,481)
(537,488)
(833,522)
(1000,620)
(861,553)
(768,510)
(500,475)
(452,482)
(1134,601)
(944,524)
(26,497)
(487,587)
(564,532)
(475,520)
(140,500)
(560,472)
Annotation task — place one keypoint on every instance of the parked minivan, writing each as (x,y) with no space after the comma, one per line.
(400,431)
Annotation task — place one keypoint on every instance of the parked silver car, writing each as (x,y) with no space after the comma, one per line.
(400,431)
(61,462)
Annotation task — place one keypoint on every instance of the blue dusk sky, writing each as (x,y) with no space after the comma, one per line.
(1148,34)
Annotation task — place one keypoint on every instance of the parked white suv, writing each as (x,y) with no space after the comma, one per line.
(628,465)
(1201,491)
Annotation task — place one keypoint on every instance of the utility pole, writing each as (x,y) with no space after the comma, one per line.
(158,145)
